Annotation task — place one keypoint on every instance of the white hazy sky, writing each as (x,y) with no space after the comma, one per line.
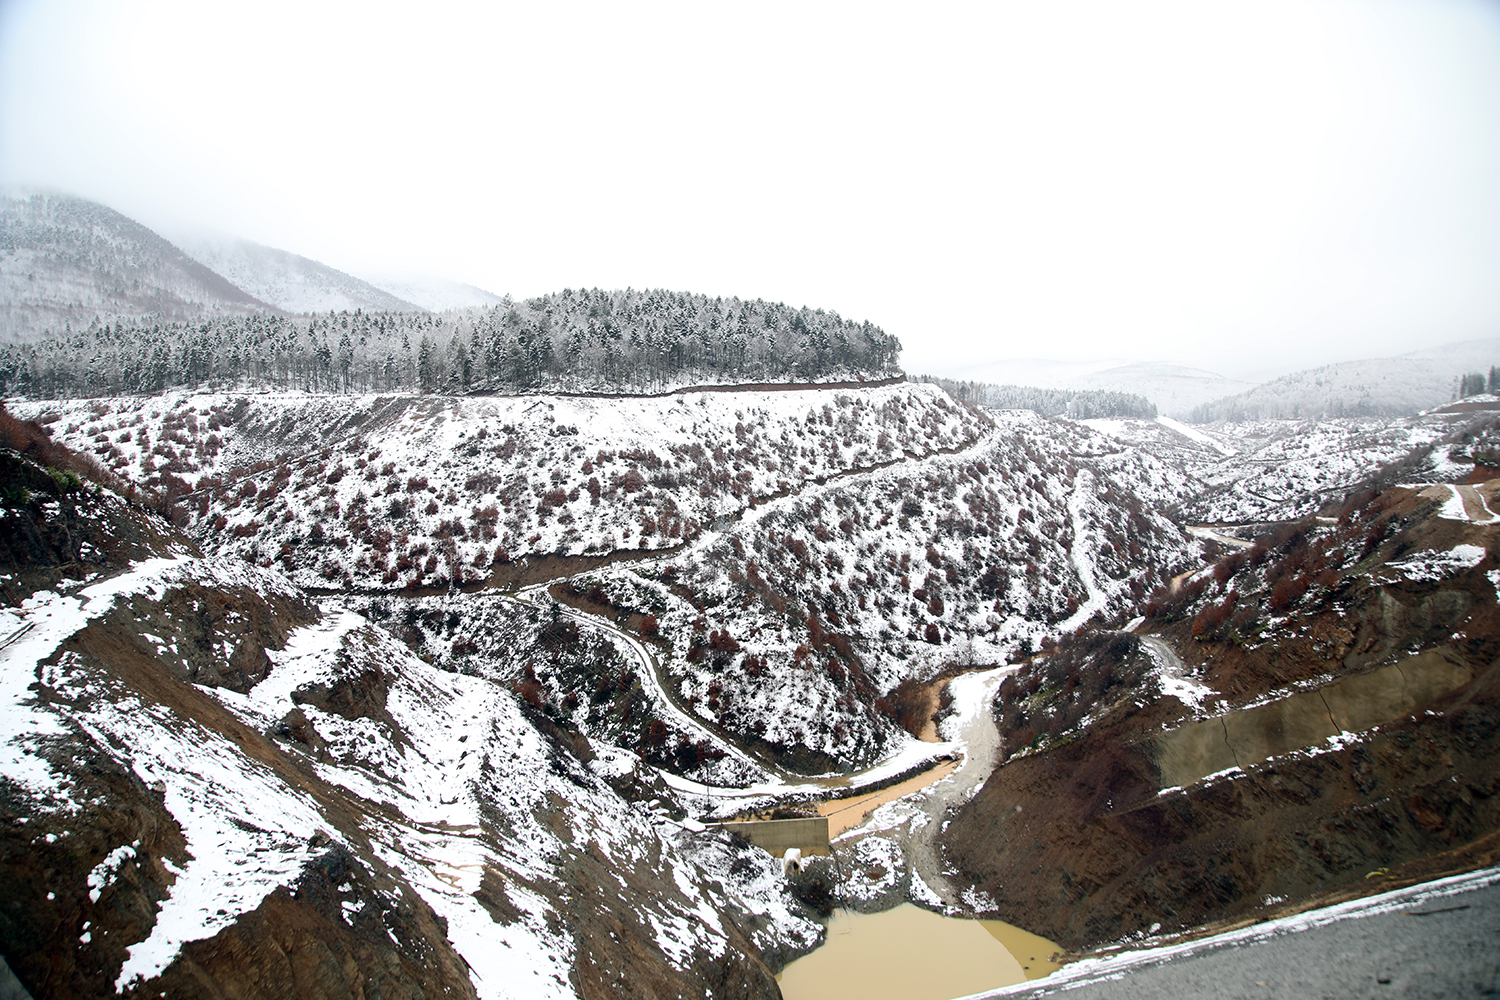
(1248,187)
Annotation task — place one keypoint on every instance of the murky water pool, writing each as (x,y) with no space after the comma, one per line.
(909,953)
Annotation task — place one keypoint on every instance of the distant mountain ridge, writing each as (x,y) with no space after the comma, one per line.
(1375,387)
(65,261)
(1175,389)
(289,281)
(435,294)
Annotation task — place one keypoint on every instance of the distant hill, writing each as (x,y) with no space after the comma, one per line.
(1462,356)
(288,281)
(1174,389)
(434,294)
(1076,404)
(65,261)
(1379,387)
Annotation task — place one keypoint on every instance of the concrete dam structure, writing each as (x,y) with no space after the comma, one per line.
(776,836)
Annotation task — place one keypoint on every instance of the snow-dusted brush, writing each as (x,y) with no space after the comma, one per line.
(199,765)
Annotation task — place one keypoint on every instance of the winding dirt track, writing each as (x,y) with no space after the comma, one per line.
(980,738)
(780,782)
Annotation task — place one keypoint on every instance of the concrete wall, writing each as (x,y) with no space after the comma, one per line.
(776,836)
(1349,704)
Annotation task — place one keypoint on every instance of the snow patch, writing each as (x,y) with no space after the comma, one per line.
(105,871)
(1431,566)
(1194,434)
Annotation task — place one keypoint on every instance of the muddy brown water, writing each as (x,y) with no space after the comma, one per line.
(909,953)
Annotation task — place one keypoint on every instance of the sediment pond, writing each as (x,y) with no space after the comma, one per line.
(909,953)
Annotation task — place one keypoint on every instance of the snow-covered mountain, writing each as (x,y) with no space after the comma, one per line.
(1462,356)
(445,684)
(66,261)
(1308,716)
(1377,387)
(434,294)
(845,500)
(1176,390)
(287,281)
(333,665)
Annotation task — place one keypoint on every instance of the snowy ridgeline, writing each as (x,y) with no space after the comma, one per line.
(1379,387)
(374,492)
(569,341)
(443,785)
(862,537)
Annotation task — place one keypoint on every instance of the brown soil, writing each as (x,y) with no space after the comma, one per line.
(1077,845)
(297,942)
(1089,841)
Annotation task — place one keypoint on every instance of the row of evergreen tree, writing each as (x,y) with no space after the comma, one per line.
(1475,383)
(569,341)
(1075,404)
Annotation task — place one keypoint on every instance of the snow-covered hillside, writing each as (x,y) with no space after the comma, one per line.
(1288,469)
(787,625)
(791,517)
(586,340)
(66,261)
(1258,471)
(377,491)
(434,294)
(387,794)
(287,281)
(1380,387)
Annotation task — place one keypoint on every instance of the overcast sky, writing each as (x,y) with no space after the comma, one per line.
(1248,187)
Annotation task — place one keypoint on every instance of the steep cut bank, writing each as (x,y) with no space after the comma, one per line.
(1330,728)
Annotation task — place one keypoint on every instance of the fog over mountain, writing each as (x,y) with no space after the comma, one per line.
(435,294)
(499,651)
(290,282)
(1175,389)
(65,261)
(1368,388)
